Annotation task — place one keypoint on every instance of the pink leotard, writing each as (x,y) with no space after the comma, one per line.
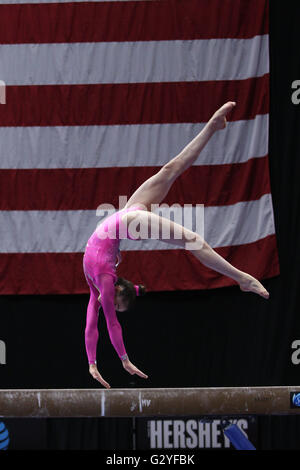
(99,268)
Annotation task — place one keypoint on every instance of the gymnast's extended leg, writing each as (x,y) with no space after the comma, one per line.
(155,189)
(171,232)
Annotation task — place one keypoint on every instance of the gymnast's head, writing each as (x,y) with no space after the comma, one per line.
(126,294)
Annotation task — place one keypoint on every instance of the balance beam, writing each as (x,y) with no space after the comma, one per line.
(143,402)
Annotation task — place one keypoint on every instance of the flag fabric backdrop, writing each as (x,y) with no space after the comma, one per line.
(99,95)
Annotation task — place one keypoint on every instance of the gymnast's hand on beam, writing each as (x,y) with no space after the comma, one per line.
(132,369)
(97,376)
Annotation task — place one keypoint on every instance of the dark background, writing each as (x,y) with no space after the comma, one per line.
(220,337)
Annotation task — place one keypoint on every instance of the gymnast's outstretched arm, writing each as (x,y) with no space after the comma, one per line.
(106,287)
(91,333)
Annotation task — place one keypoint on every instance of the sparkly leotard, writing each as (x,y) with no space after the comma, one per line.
(99,267)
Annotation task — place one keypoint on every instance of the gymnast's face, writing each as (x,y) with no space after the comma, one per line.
(120,305)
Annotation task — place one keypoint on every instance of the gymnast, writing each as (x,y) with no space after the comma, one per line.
(102,250)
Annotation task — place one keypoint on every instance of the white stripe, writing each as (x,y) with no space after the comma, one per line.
(68,231)
(142,145)
(150,61)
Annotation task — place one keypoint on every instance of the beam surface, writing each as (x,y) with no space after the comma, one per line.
(148,402)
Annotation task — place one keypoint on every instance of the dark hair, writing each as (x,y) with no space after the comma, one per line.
(128,292)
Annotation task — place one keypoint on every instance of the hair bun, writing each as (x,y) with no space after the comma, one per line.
(142,290)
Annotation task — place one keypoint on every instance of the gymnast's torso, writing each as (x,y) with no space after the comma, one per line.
(102,252)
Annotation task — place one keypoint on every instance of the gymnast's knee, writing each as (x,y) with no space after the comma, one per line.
(195,243)
(128,217)
(170,171)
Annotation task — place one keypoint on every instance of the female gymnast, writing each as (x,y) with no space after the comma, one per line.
(102,250)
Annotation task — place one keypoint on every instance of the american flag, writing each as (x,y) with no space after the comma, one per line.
(101,94)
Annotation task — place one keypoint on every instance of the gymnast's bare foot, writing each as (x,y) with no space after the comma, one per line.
(218,120)
(250,284)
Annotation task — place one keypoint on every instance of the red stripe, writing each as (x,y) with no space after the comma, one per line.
(75,189)
(132,21)
(137,103)
(158,270)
